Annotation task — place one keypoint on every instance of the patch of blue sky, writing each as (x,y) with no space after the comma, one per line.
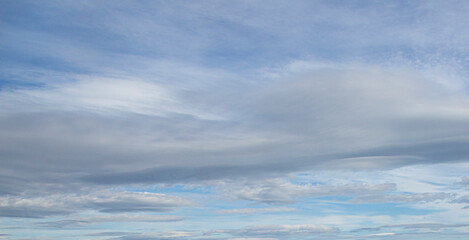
(217,41)
(27,61)
(8,83)
(208,39)
(390,209)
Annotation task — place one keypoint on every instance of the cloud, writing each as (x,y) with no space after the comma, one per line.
(462,199)
(278,191)
(105,201)
(158,235)
(98,95)
(84,222)
(278,230)
(237,97)
(464,181)
(379,235)
(99,234)
(403,197)
(283,191)
(256,210)
(178,174)
(414,226)
(326,118)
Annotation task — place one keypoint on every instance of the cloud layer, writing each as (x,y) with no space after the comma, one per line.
(234,120)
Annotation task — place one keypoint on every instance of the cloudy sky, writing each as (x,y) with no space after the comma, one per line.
(255,120)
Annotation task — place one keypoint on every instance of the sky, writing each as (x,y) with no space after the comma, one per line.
(231,120)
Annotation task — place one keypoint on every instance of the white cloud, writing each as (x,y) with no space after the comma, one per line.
(158,235)
(379,235)
(100,95)
(359,191)
(256,210)
(278,191)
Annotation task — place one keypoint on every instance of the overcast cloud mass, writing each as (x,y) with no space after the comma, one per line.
(254,120)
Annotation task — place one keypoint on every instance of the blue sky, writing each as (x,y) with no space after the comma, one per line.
(229,120)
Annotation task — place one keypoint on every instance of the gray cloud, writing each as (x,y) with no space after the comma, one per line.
(444,150)
(464,182)
(64,224)
(84,222)
(181,174)
(318,119)
(2,235)
(110,202)
(462,199)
